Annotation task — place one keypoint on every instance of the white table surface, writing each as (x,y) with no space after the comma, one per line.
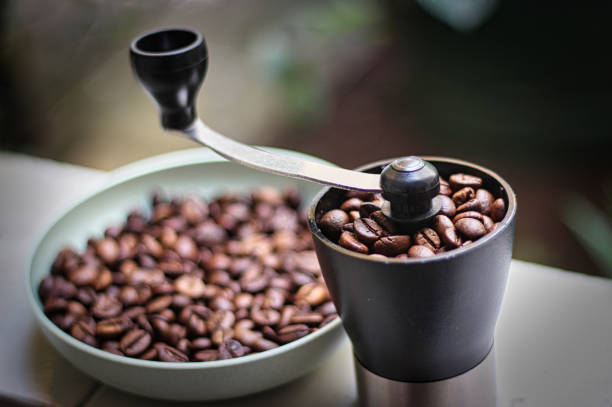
(553,340)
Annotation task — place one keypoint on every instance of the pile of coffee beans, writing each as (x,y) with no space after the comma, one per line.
(194,281)
(468,212)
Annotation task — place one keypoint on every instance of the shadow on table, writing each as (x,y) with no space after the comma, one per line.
(53,376)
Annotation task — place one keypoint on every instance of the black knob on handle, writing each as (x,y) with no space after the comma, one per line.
(170,64)
(410,186)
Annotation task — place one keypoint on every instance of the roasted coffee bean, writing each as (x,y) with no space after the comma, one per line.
(54,305)
(463,195)
(331,222)
(486,200)
(420,251)
(449,238)
(387,224)
(84,275)
(222,303)
(351,204)
(243,300)
(458,181)
(186,248)
(367,230)
(190,286)
(447,206)
(428,237)
(231,348)
(292,332)
(207,355)
(366,209)
(133,312)
(468,214)
(135,342)
(159,304)
(311,318)
(200,343)
(262,344)
(498,210)
(112,347)
(149,354)
(184,345)
(76,308)
(471,205)
(470,228)
(106,306)
(312,293)
(264,316)
(445,188)
(180,301)
(218,335)
(488,223)
(103,280)
(107,249)
(349,241)
(167,353)
(326,308)
(112,327)
(392,245)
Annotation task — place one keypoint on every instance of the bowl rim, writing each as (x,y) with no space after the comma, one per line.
(505,223)
(129,172)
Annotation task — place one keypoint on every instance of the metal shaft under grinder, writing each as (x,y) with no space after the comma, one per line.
(422,329)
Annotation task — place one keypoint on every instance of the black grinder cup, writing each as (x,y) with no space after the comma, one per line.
(419,320)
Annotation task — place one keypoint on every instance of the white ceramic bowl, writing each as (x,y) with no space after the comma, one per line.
(198,171)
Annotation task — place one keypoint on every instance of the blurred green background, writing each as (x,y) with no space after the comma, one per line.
(520,87)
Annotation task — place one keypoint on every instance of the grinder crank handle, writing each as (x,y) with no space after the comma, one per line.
(171,63)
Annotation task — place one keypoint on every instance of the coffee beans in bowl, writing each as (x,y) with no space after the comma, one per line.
(468,212)
(193,280)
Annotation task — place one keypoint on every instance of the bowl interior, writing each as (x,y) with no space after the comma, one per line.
(191,172)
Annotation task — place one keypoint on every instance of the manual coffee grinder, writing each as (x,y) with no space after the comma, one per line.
(421,328)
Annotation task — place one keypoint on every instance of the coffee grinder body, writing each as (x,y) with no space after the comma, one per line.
(420,327)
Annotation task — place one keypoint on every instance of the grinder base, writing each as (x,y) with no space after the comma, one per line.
(475,388)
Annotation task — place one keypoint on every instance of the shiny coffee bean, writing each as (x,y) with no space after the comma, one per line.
(447,207)
(292,332)
(392,245)
(486,200)
(367,230)
(458,181)
(167,353)
(106,306)
(207,355)
(332,221)
(367,208)
(463,195)
(445,188)
(498,210)
(231,348)
(420,251)
(135,342)
(471,205)
(349,241)
(470,228)
(112,327)
(351,204)
(428,237)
